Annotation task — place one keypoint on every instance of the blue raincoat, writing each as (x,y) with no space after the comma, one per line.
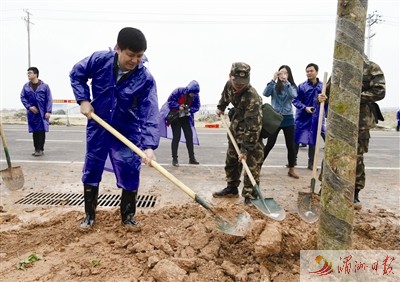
(173,103)
(42,100)
(129,105)
(306,125)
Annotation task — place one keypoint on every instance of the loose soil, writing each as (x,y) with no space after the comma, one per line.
(176,241)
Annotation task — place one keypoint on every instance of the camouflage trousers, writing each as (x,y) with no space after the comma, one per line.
(233,168)
(363,142)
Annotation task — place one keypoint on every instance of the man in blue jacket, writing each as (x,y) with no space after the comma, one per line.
(124,95)
(38,102)
(307,113)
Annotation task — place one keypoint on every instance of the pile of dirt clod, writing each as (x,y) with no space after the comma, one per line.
(177,243)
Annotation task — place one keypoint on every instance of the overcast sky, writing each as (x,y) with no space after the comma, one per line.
(187,39)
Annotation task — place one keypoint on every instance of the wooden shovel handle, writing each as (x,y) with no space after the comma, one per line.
(320,117)
(138,151)
(3,139)
(246,167)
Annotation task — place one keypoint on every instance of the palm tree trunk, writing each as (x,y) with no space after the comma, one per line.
(337,212)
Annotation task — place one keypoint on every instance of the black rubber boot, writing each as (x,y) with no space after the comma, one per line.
(90,194)
(128,207)
(228,192)
(310,165)
(356,199)
(247,201)
(175,162)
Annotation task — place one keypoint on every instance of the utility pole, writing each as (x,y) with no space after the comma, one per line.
(372,19)
(28,26)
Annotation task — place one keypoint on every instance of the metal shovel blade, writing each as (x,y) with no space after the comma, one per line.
(270,208)
(239,227)
(306,210)
(13,177)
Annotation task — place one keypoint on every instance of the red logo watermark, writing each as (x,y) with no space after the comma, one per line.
(379,265)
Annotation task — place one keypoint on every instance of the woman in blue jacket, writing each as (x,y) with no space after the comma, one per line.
(282,90)
(124,95)
(185,102)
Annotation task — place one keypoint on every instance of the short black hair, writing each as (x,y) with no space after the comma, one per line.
(312,65)
(132,39)
(35,70)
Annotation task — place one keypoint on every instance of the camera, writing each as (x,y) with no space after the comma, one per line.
(186,109)
(282,75)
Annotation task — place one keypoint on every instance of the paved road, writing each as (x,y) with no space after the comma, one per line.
(60,169)
(67,144)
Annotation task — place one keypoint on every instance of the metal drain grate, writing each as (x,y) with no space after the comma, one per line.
(70,199)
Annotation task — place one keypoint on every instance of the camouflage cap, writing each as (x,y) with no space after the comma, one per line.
(240,73)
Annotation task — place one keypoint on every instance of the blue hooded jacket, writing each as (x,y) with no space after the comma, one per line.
(173,103)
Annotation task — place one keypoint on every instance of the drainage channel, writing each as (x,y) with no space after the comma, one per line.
(72,199)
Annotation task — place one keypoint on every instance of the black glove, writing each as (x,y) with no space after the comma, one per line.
(231,113)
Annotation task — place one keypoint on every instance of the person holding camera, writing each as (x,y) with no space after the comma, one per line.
(183,103)
(282,90)
(307,113)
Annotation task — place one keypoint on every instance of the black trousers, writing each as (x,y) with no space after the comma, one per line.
(289,140)
(39,137)
(182,124)
(311,151)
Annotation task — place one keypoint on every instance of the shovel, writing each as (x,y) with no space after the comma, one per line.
(267,206)
(13,177)
(306,208)
(242,221)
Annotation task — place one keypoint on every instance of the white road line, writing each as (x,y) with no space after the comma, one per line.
(44,162)
(47,140)
(168,164)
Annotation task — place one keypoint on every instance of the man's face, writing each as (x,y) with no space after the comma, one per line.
(128,60)
(237,86)
(31,75)
(311,73)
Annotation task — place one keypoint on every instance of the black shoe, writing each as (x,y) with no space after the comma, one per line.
(228,192)
(356,199)
(310,167)
(193,161)
(175,162)
(247,201)
(39,153)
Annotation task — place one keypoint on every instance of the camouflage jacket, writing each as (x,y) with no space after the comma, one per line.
(246,122)
(373,89)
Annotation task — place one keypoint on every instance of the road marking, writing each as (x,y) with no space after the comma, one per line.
(47,140)
(188,165)
(45,162)
(51,130)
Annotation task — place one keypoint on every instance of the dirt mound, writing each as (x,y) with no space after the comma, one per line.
(177,243)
